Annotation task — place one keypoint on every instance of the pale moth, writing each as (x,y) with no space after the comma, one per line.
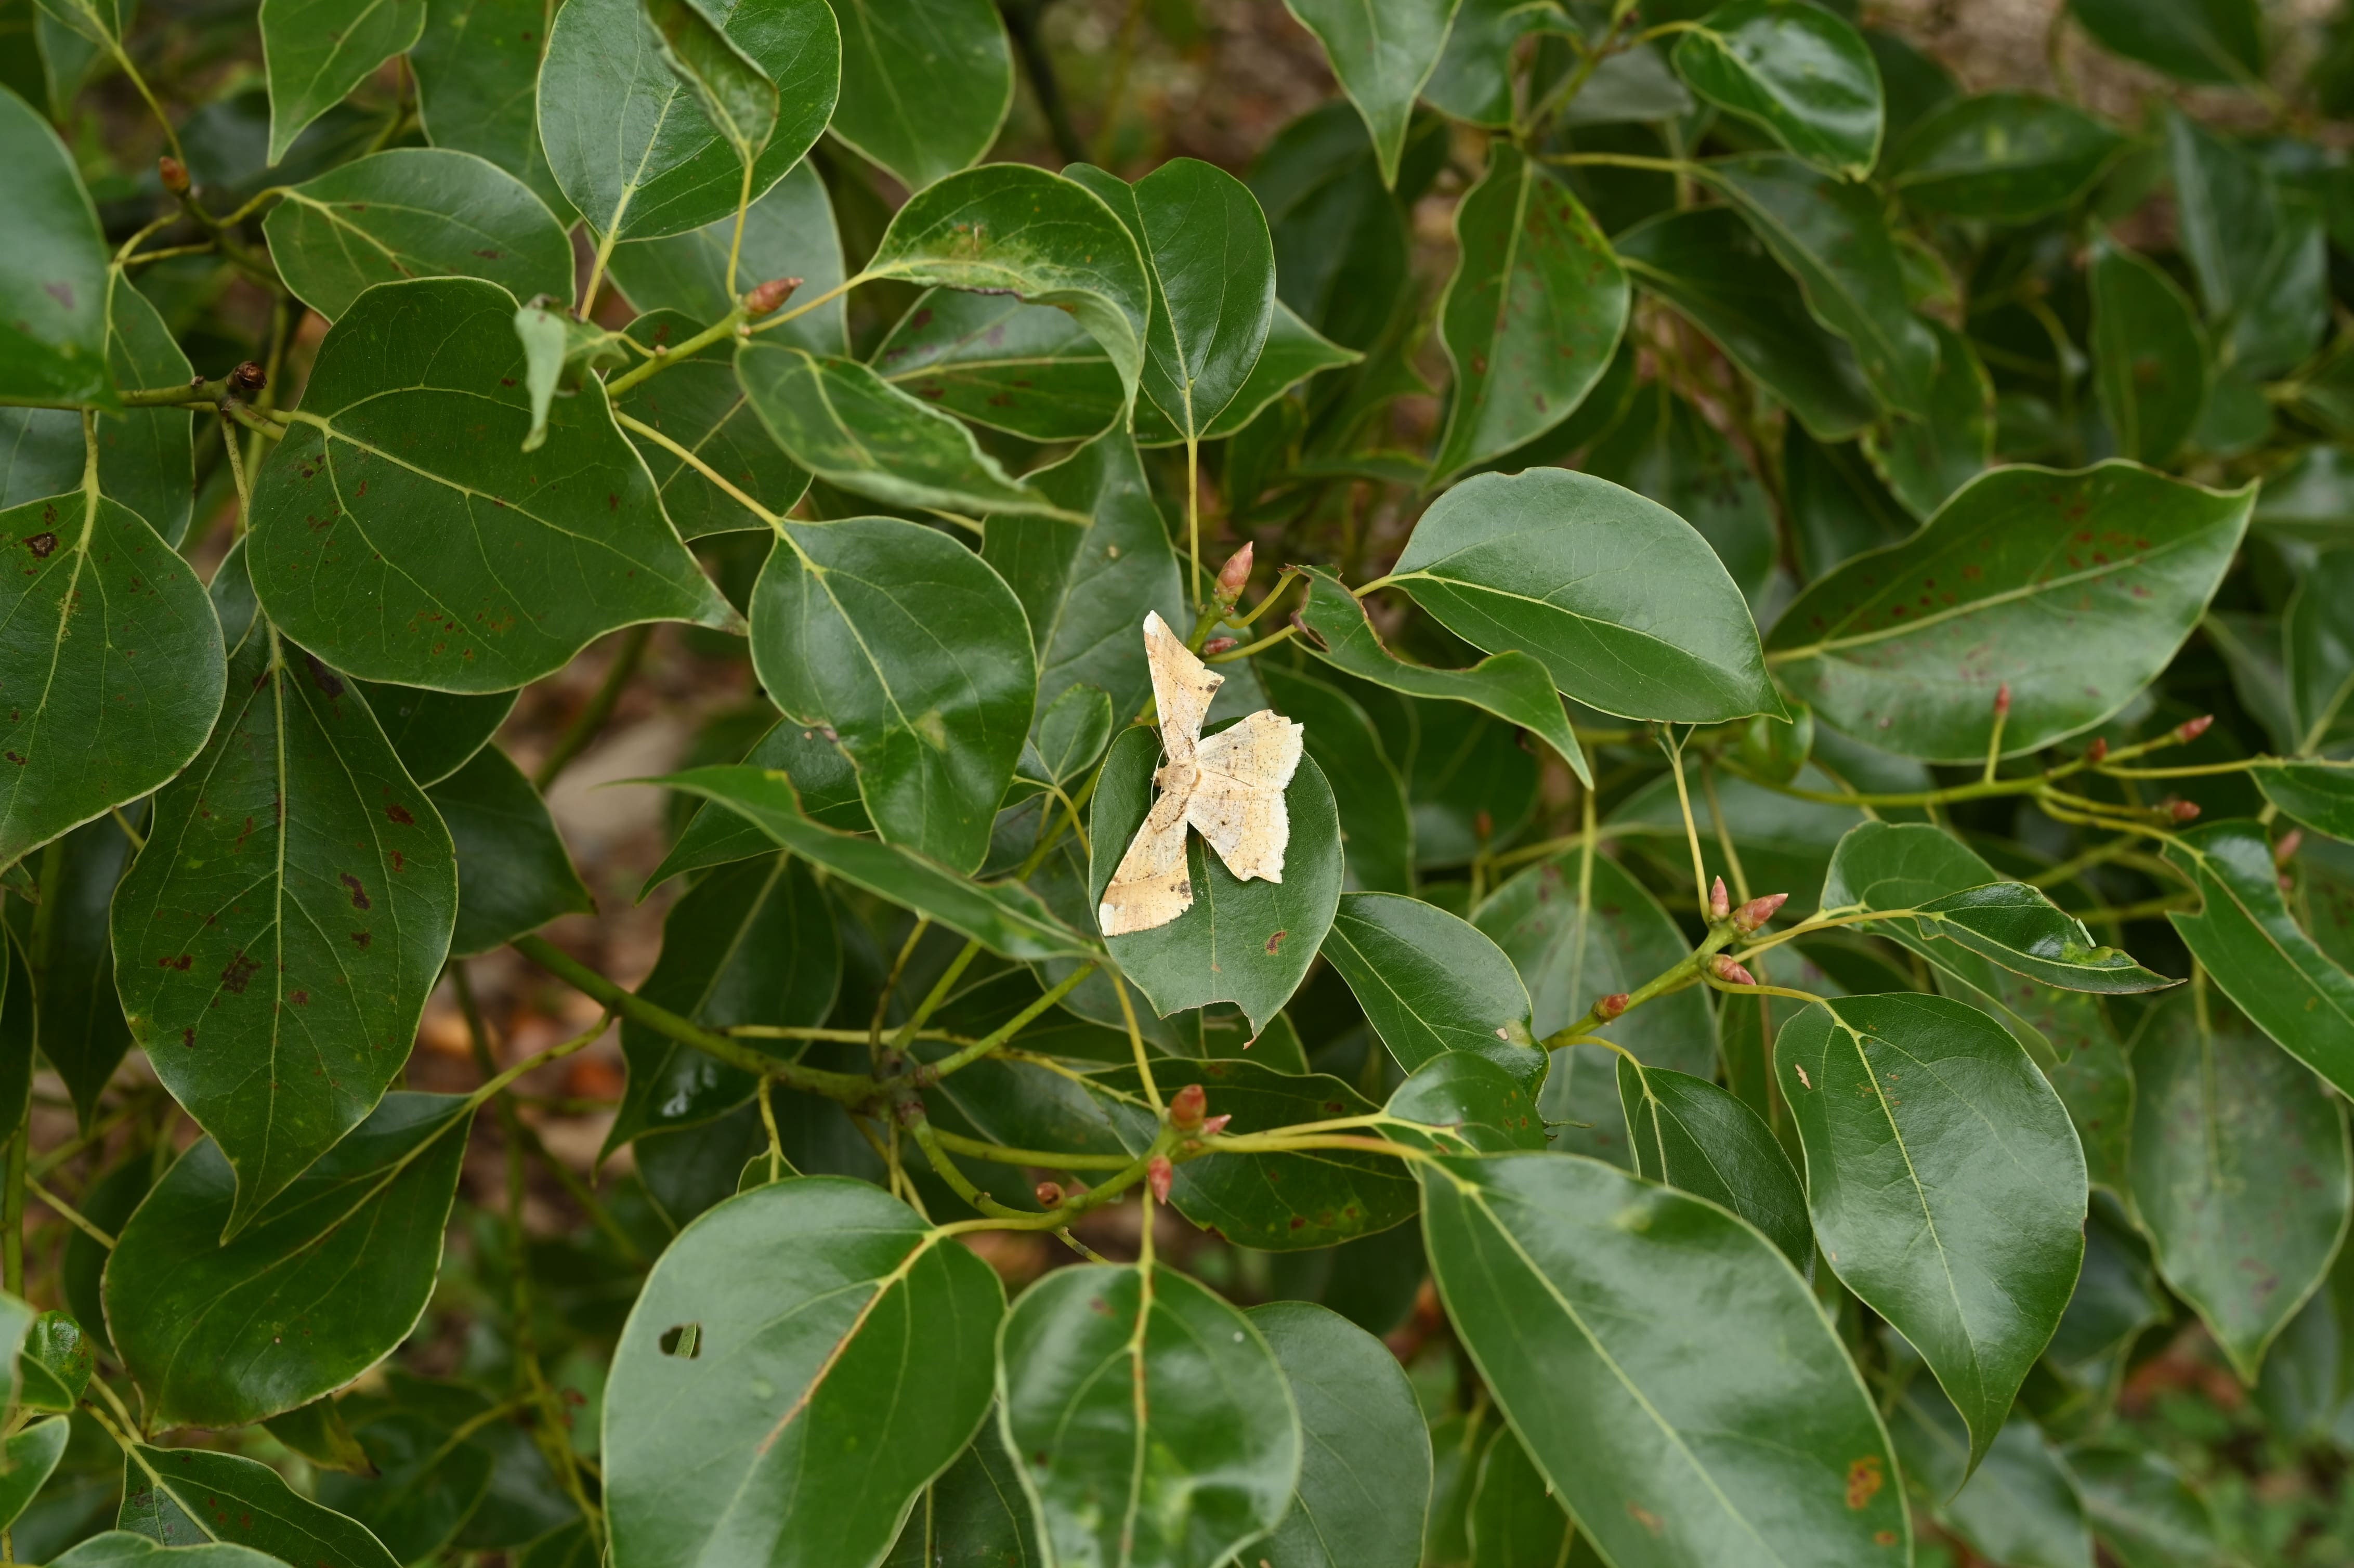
(1230,787)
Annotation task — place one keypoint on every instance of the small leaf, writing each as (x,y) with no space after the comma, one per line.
(53,1368)
(2217,41)
(1152,1423)
(1382,56)
(121,1549)
(2257,255)
(416,212)
(318,1432)
(191,1496)
(926,84)
(802,1361)
(1531,316)
(2150,355)
(316,51)
(1966,1242)
(1364,1464)
(514,874)
(2143,1508)
(1620,598)
(973,1516)
(329,1277)
(1431,983)
(2126,559)
(1800,73)
(1662,447)
(1293,352)
(2001,157)
(1687,1132)
(729,86)
(427,1482)
(1473,1101)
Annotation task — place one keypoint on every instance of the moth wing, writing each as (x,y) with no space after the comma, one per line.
(1181,687)
(1151,885)
(1248,826)
(1263,751)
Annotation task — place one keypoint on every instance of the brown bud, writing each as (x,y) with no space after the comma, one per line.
(1720,902)
(1610,1006)
(1758,911)
(2002,699)
(1050,1195)
(2182,810)
(2191,729)
(1215,1125)
(1721,966)
(1216,645)
(1232,575)
(247,378)
(1483,825)
(174,174)
(2097,753)
(1186,1107)
(1159,1175)
(2286,851)
(766,298)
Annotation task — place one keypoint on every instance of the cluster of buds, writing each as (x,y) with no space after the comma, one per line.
(1188,1113)
(1721,966)
(764,300)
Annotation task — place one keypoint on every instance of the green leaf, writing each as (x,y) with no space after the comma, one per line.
(752,943)
(53,1368)
(1086,587)
(88,726)
(416,212)
(1249,943)
(1692,1134)
(316,51)
(1662,447)
(1800,73)
(2245,938)
(121,1549)
(974,1516)
(559,353)
(697,402)
(1365,1456)
(477,65)
(32,1458)
(1012,228)
(788,233)
(2143,1508)
(1294,352)
(2318,646)
(623,132)
(802,1361)
(108,1203)
(1946,1182)
(1032,370)
(1005,918)
(286,920)
(2149,355)
(1833,237)
(1514,1520)
(192,1496)
(925,84)
(318,1432)
(917,655)
(1469,781)
(2310,496)
(1530,315)
(852,429)
(2219,41)
(1473,79)
(1431,983)
(731,88)
(428,1482)
(412,417)
(2314,793)
(434,734)
(1152,1423)
(514,872)
(1669,1372)
(1708,264)
(1905,647)
(2018,1506)
(827,784)
(1382,54)
(1620,598)
(328,1279)
(1474,1101)
(2240,1175)
(2001,157)
(1926,460)
(1072,732)
(1376,826)
(2258,253)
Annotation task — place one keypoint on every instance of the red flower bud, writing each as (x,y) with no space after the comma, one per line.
(2096,753)
(1720,903)
(1232,575)
(1050,1195)
(2002,699)
(2191,729)
(764,299)
(1758,911)
(1185,1107)
(1721,966)
(1610,1006)
(2182,810)
(174,174)
(1215,1125)
(2286,851)
(1158,1175)
(1218,645)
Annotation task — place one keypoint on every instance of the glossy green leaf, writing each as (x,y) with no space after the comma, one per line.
(2317,654)
(53,1368)
(1250,943)
(121,1549)
(697,402)
(1667,1369)
(1470,1101)
(1293,352)
(87,726)
(315,52)
(428,1479)
(318,1432)
(1833,237)
(751,943)
(2143,1508)
(1692,1134)
(827,784)
(1969,1243)
(295,853)
(2314,793)
(325,1281)
(1376,824)
(1663,448)
(412,417)
(1012,228)
(2150,355)
(1800,73)
(1004,917)
(2310,496)
(416,212)
(2001,157)
(1071,734)
(623,134)
(2219,41)
(1431,983)
(731,88)
(1620,598)
(974,1516)
(912,651)
(1514,1520)
(2256,254)
(2073,588)
(32,1458)
(191,1496)
(1708,264)
(925,84)
(53,296)
(788,233)
(1152,1423)
(514,872)
(1926,460)
(1531,316)
(1512,685)
(2256,953)
(477,65)
(2017,1504)
(1382,54)
(1364,1458)
(435,734)
(1032,370)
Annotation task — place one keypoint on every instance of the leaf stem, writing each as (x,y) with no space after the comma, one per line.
(933,1073)
(692,460)
(589,722)
(65,1211)
(1044,1159)
(1263,643)
(725,327)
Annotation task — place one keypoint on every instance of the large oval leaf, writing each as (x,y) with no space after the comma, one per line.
(399,531)
(315,52)
(925,84)
(1431,982)
(1382,54)
(2073,588)
(1668,1370)
(53,292)
(1624,602)
(1031,370)
(2004,157)
(191,1496)
(1945,1181)
(802,1361)
(1364,1458)
(1801,72)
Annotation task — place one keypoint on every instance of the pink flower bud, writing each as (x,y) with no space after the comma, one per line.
(2286,851)
(174,174)
(1213,1125)
(2182,810)
(1218,645)
(1758,911)
(2191,729)
(1232,575)
(1721,966)
(1720,903)
(1186,1106)
(2002,699)
(1610,1006)
(1159,1175)
(764,299)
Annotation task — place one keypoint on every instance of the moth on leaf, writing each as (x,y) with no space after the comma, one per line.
(1230,787)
